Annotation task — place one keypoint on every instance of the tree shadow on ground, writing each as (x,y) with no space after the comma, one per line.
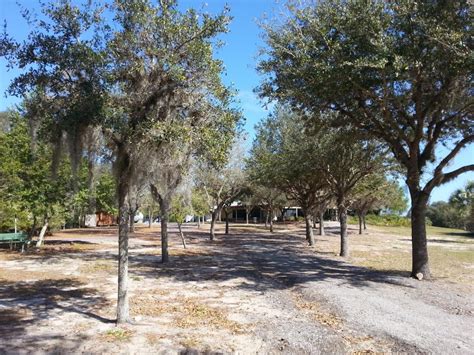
(461,234)
(444,241)
(24,304)
(267,261)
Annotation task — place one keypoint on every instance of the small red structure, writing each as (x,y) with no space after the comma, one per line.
(105,219)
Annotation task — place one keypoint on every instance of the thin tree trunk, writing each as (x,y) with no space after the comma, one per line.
(420,262)
(124,169)
(343,223)
(360,222)
(363,221)
(164,210)
(33,227)
(122,304)
(247,217)
(122,301)
(309,229)
(131,224)
(182,235)
(39,243)
(199,222)
(226,222)
(321,223)
(150,217)
(271,221)
(266,220)
(212,231)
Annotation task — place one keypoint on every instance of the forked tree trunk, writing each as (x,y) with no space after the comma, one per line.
(321,223)
(40,241)
(420,262)
(164,211)
(309,229)
(343,223)
(181,235)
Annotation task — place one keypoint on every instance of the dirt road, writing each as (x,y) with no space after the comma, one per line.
(248,292)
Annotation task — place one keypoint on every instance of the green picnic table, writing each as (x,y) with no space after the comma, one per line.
(13,239)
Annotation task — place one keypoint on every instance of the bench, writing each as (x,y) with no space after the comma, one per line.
(14,239)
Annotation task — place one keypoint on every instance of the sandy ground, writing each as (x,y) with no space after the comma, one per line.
(248,292)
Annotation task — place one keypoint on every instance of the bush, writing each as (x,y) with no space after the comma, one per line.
(391,220)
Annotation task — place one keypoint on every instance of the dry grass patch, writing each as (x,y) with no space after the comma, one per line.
(151,306)
(98,267)
(191,342)
(188,313)
(454,265)
(329,319)
(197,314)
(20,275)
(118,334)
(153,338)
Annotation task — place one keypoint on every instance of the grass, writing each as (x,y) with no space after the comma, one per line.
(197,314)
(118,334)
(430,231)
(453,265)
(97,267)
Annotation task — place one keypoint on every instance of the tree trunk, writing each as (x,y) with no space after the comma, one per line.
(247,217)
(213,225)
(360,222)
(271,221)
(122,303)
(150,218)
(131,224)
(124,172)
(39,243)
(266,220)
(363,221)
(199,222)
(309,229)
(182,235)
(164,211)
(226,222)
(343,223)
(33,227)
(420,262)
(321,223)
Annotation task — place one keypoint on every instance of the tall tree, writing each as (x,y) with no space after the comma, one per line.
(222,184)
(399,70)
(155,65)
(376,192)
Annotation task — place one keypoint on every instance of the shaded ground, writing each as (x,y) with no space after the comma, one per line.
(249,292)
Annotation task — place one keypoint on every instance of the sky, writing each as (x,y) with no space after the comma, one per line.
(240,55)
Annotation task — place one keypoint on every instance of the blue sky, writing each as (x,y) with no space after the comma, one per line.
(239,55)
